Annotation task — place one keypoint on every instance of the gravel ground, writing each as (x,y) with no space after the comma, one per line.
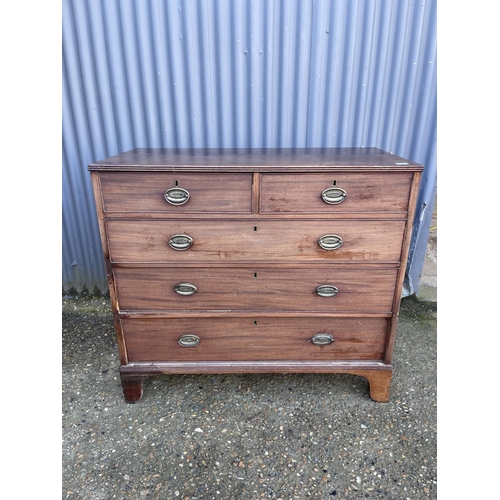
(246,436)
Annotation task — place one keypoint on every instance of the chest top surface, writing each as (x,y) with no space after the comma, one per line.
(253,159)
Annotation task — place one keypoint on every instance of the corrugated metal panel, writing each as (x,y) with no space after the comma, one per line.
(241,73)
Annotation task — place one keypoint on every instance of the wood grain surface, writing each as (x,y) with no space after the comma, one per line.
(255,217)
(227,338)
(301,193)
(255,159)
(144,192)
(254,241)
(256,288)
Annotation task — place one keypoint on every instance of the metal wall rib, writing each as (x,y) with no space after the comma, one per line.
(241,73)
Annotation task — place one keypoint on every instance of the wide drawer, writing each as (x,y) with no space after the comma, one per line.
(246,240)
(326,289)
(335,193)
(267,338)
(176,192)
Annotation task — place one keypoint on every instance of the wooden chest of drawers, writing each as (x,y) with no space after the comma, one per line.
(239,261)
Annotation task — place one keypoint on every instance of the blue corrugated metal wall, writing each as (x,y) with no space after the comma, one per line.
(241,73)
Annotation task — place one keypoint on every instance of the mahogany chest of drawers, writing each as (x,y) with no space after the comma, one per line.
(245,261)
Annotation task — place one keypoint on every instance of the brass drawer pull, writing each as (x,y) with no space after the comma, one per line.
(326,290)
(180,241)
(322,339)
(176,196)
(185,289)
(333,196)
(189,340)
(330,242)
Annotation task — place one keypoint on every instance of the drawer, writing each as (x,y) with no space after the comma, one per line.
(187,193)
(259,240)
(343,192)
(262,338)
(256,288)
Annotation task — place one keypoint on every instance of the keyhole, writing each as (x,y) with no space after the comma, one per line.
(334,182)
(255,322)
(176,183)
(254,275)
(255,228)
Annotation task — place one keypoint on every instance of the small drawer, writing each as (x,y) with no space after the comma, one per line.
(327,289)
(176,193)
(335,193)
(259,338)
(189,241)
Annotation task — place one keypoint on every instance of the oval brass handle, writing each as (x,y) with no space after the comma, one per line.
(326,290)
(333,195)
(180,241)
(176,196)
(189,340)
(185,289)
(330,242)
(322,339)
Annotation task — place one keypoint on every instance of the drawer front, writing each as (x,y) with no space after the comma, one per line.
(244,339)
(186,193)
(335,193)
(328,289)
(258,240)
